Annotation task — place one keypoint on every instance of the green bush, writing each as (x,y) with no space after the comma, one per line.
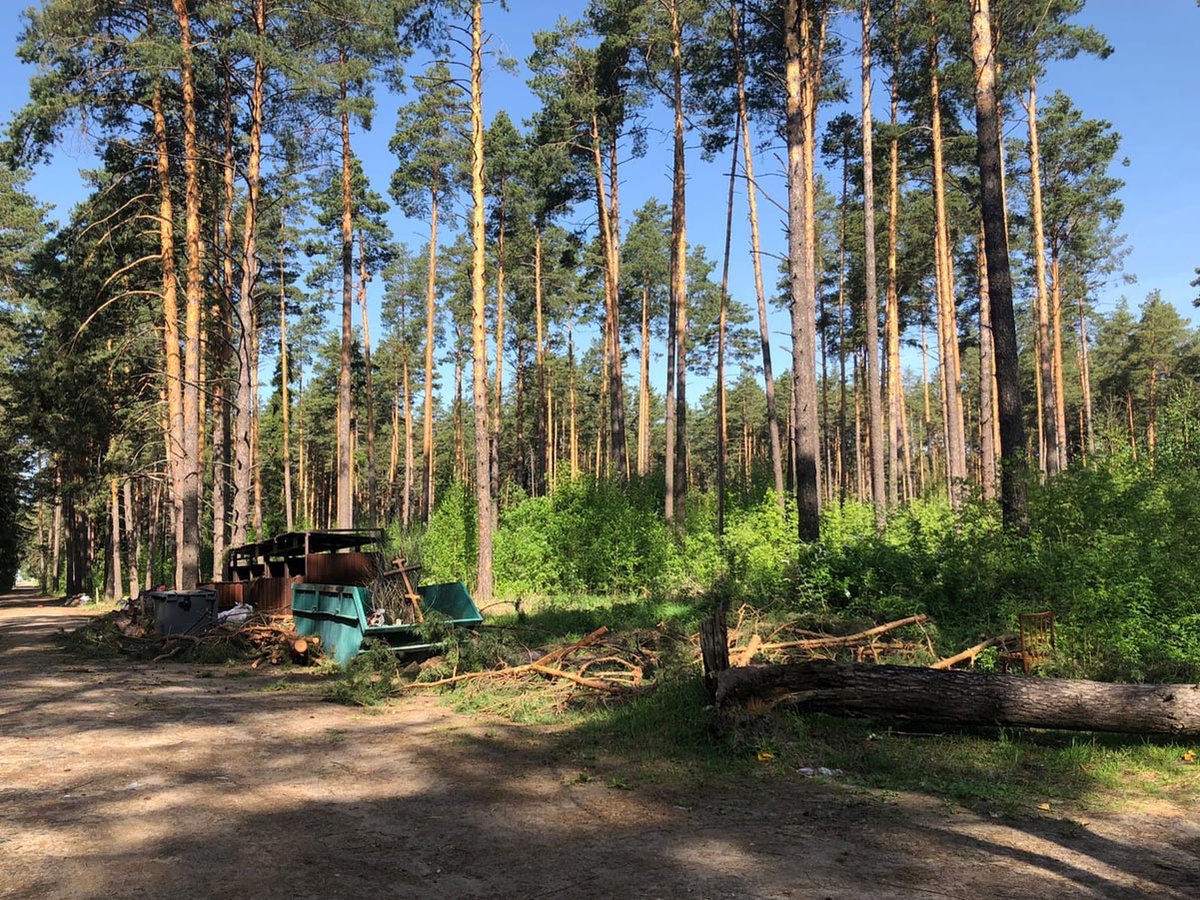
(1110,550)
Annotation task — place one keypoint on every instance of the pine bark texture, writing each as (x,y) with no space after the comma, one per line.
(871,311)
(1013,487)
(483,490)
(909,693)
(756,257)
(800,110)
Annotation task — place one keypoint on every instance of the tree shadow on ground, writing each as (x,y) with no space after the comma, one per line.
(131,780)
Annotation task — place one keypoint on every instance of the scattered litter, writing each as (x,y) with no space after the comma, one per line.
(237,615)
(810,772)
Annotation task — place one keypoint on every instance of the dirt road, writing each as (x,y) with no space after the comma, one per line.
(122,779)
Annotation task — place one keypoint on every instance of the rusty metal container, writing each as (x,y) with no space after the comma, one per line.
(350,568)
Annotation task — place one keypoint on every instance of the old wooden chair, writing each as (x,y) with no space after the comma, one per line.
(1037,643)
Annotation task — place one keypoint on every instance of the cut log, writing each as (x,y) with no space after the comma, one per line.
(963,698)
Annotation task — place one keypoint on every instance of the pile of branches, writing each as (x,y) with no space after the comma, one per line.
(754,637)
(596,663)
(258,640)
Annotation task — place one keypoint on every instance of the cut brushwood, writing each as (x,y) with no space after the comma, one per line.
(971,652)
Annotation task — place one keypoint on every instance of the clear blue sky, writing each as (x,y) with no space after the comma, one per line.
(1148,89)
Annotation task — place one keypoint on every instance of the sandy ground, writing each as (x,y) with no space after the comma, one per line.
(120,779)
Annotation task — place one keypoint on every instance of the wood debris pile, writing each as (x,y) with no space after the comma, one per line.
(755,638)
(128,632)
(256,639)
(598,662)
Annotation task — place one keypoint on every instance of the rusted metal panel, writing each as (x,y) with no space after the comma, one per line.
(230,593)
(353,568)
(272,596)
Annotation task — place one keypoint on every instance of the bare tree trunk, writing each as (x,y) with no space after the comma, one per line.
(483,492)
(1085,378)
(956,458)
(1013,487)
(643,455)
(987,380)
(345,462)
(133,539)
(800,115)
(189,551)
(223,314)
(427,499)
(679,271)
(543,460)
(611,368)
(499,373)
(1060,409)
(406,503)
(574,427)
(372,473)
(173,431)
(285,400)
(895,376)
(722,436)
(756,257)
(116,579)
(871,312)
(1048,396)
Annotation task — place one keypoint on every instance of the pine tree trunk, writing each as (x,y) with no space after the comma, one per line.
(679,269)
(372,472)
(285,400)
(427,498)
(406,502)
(840,454)
(483,492)
(255,444)
(1045,351)
(1085,379)
(223,422)
(895,375)
(871,312)
(987,380)
(116,578)
(345,463)
(956,458)
(722,436)
(1013,488)
(542,458)
(173,430)
(189,551)
(133,539)
(643,457)
(756,257)
(497,410)
(574,427)
(611,368)
(1060,409)
(801,110)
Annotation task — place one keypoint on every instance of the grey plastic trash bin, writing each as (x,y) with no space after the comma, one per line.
(184,612)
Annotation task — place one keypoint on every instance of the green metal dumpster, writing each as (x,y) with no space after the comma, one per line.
(338,615)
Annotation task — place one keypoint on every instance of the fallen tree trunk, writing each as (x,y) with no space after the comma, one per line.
(962,698)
